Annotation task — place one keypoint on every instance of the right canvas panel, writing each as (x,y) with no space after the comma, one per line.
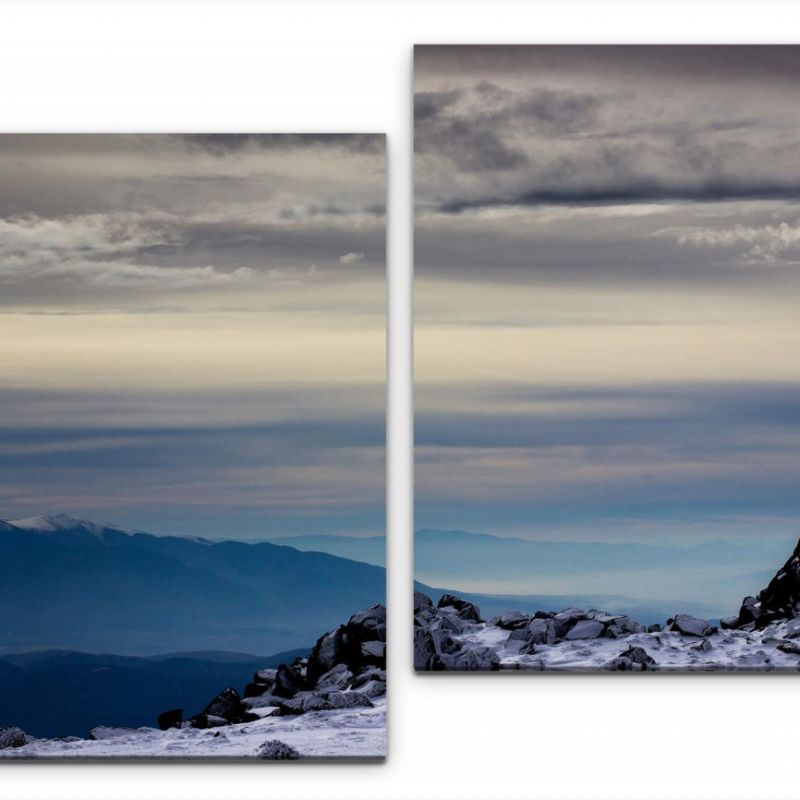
(607,377)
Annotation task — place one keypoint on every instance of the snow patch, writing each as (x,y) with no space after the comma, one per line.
(344,733)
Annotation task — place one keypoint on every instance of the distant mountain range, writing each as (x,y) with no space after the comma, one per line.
(708,576)
(75,584)
(369,549)
(69,583)
(60,693)
(467,554)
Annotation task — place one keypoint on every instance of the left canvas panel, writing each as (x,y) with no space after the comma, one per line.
(192,408)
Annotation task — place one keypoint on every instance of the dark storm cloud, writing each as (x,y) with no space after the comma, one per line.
(707,420)
(575,125)
(171,447)
(221,144)
(779,63)
(639,191)
(471,136)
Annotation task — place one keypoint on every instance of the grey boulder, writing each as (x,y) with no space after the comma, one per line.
(424,649)
(585,629)
(339,677)
(481,659)
(323,701)
(276,750)
(511,620)
(541,631)
(289,681)
(634,659)
(687,625)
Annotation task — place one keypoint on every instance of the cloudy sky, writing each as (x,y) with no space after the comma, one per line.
(607,272)
(192,331)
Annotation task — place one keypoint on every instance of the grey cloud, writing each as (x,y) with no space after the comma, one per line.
(766,243)
(351,258)
(605,246)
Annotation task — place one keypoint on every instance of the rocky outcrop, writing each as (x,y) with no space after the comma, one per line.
(435,629)
(780,600)
(345,669)
(571,625)
(448,636)
(227,705)
(439,632)
(463,608)
(12,737)
(360,643)
(323,701)
(765,635)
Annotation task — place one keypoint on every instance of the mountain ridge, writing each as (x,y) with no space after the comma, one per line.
(69,583)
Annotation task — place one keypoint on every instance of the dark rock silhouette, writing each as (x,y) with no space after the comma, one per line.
(12,737)
(288,681)
(228,705)
(464,609)
(170,719)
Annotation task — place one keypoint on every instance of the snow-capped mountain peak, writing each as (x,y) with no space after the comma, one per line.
(62,522)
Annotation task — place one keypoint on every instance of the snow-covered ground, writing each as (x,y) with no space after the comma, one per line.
(726,650)
(345,733)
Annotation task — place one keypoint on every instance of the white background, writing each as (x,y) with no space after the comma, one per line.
(346,66)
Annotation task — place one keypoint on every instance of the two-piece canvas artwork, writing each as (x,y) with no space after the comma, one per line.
(193,335)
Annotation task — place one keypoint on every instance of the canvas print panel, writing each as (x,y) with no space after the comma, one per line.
(607,247)
(191,402)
